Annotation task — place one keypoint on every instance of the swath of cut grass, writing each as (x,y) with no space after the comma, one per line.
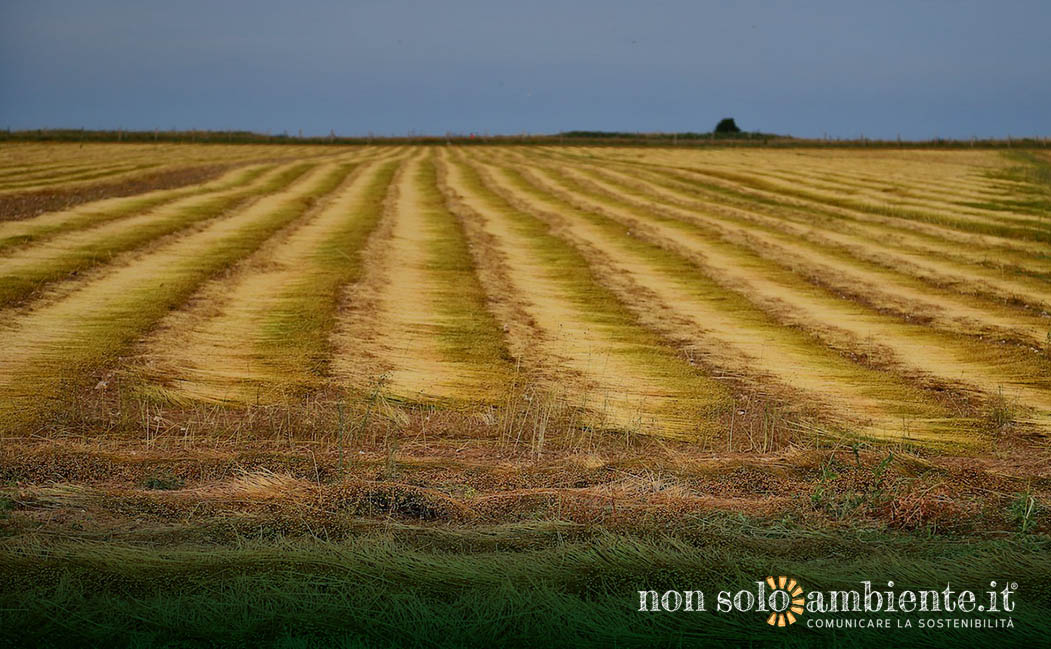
(948,268)
(732,334)
(68,343)
(987,250)
(990,224)
(813,256)
(1003,255)
(27,270)
(32,230)
(945,356)
(637,383)
(261,333)
(439,341)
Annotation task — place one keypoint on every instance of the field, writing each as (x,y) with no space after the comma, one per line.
(513,385)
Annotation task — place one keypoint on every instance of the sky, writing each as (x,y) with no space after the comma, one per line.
(918,70)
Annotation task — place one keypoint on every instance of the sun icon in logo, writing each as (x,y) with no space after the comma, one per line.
(786,600)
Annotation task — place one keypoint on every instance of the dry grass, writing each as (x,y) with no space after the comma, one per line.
(541,308)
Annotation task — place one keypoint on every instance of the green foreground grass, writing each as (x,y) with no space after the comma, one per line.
(535,584)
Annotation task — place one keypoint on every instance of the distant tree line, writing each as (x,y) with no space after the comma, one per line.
(724,136)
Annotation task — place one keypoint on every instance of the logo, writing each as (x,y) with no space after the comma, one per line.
(785,600)
(781,601)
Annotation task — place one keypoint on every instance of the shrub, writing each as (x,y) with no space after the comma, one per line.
(727,125)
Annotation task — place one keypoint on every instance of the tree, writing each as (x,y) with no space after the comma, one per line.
(727,125)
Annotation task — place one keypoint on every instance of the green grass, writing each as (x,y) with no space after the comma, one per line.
(163,482)
(375,591)
(1025,511)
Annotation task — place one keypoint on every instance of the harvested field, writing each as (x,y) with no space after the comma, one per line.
(487,349)
(887,298)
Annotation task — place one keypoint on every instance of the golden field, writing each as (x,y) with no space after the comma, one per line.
(496,329)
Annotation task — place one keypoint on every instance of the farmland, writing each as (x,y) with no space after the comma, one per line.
(422,364)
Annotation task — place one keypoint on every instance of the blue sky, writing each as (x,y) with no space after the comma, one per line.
(918,69)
